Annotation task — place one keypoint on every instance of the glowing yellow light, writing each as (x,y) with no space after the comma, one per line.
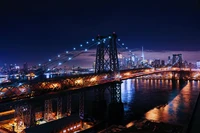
(79,81)
(130,124)
(93,79)
(127,74)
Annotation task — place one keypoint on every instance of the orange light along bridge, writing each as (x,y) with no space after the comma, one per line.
(17,97)
(31,88)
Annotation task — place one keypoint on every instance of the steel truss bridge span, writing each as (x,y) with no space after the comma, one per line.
(35,88)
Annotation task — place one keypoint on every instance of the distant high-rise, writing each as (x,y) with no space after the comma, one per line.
(142,54)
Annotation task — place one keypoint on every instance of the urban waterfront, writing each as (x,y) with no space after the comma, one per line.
(154,100)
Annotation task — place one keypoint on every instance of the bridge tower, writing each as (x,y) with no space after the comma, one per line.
(177,60)
(107,61)
(106,54)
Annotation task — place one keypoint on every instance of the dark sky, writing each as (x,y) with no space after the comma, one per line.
(35,30)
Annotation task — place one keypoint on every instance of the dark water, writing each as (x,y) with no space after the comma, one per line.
(154,100)
(157,100)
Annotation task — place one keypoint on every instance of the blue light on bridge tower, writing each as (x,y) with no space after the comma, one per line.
(74,48)
(39,64)
(126,47)
(81,45)
(69,58)
(49,59)
(122,43)
(58,55)
(92,39)
(109,37)
(86,50)
(67,52)
(59,63)
(118,39)
(98,43)
(104,40)
(87,42)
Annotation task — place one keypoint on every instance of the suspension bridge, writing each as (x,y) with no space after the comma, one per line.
(108,74)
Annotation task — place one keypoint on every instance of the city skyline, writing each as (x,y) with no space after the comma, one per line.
(34,32)
(87,59)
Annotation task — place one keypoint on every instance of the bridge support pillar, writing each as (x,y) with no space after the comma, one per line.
(99,104)
(182,76)
(47,109)
(32,115)
(69,104)
(59,107)
(81,105)
(174,83)
(23,117)
(116,107)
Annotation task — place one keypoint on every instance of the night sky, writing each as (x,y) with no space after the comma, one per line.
(35,30)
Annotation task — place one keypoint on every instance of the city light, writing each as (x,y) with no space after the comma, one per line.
(93,79)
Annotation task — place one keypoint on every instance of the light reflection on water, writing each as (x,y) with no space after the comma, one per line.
(157,100)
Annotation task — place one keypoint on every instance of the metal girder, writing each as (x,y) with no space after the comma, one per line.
(32,119)
(27,115)
(47,109)
(59,107)
(81,104)
(69,97)
(115,90)
(106,54)
(19,117)
(99,93)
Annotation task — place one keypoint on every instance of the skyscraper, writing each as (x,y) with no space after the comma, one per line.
(142,54)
